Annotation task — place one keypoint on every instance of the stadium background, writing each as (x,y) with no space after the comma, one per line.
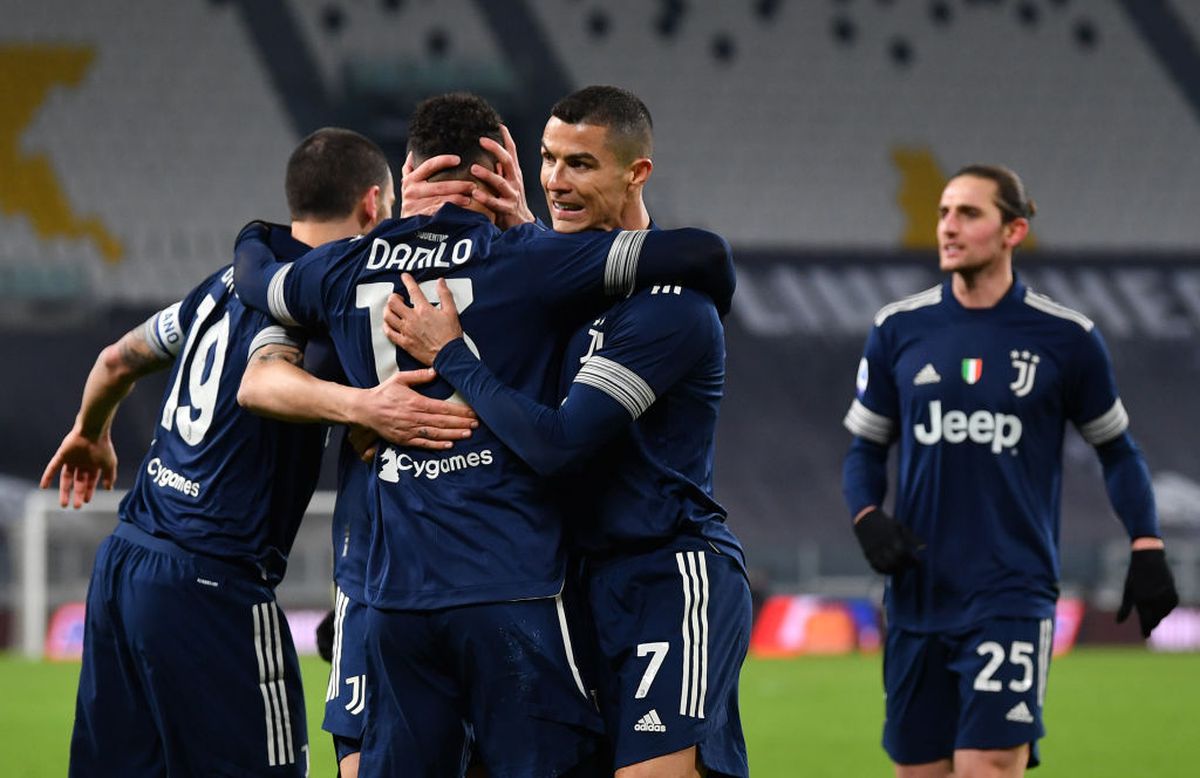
(136,137)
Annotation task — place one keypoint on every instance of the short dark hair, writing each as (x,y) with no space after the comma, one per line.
(453,124)
(1011,197)
(329,171)
(621,111)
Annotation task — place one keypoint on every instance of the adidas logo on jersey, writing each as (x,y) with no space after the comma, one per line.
(926,375)
(1001,430)
(650,723)
(1020,714)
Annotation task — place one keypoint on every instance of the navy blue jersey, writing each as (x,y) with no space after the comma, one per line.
(978,400)
(473,524)
(661,356)
(350,525)
(657,358)
(218,480)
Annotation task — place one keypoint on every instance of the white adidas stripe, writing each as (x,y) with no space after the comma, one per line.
(269,652)
(693,569)
(276,302)
(566,637)
(341,601)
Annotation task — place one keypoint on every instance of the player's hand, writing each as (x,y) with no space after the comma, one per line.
(421,197)
(400,415)
(1149,587)
(255,230)
(889,546)
(81,464)
(507,196)
(421,329)
(325,637)
(364,441)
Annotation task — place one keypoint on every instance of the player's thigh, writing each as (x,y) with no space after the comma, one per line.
(346,690)
(114,732)
(415,706)
(528,705)
(220,668)
(1003,665)
(921,699)
(673,627)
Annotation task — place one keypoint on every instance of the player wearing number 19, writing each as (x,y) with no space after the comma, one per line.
(977,378)
(188,665)
(466,561)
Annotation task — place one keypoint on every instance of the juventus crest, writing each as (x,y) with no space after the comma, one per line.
(1026,365)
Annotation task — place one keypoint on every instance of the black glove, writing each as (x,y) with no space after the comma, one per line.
(256,229)
(1150,587)
(325,637)
(889,546)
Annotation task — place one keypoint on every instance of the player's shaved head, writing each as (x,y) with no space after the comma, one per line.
(453,124)
(329,171)
(630,128)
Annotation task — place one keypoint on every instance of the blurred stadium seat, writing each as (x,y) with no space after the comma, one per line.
(137,138)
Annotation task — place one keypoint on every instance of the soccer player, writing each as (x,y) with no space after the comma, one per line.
(976,379)
(658,552)
(188,665)
(466,561)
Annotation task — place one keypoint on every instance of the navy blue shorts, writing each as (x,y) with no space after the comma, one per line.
(981,687)
(188,669)
(504,671)
(673,626)
(346,693)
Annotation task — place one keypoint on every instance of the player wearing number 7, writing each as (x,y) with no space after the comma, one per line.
(466,563)
(188,665)
(976,378)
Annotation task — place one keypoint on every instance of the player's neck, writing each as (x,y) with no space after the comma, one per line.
(635,216)
(982,287)
(313,233)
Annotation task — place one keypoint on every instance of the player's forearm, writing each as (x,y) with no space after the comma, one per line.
(547,439)
(697,259)
(864,476)
(254,265)
(116,370)
(276,386)
(1130,490)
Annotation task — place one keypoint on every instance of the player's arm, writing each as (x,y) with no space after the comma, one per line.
(86,457)
(1102,420)
(289,292)
(275,385)
(889,546)
(604,398)
(689,257)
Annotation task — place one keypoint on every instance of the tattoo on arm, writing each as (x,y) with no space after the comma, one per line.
(279,353)
(138,355)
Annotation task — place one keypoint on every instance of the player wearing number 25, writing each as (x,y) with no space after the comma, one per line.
(976,378)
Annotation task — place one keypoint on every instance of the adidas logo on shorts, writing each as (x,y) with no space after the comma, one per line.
(1020,714)
(650,723)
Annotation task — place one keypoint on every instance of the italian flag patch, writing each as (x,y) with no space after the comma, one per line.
(972,370)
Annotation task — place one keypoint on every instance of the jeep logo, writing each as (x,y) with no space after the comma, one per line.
(1000,429)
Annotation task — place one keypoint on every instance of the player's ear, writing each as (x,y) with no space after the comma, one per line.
(368,205)
(639,170)
(1015,232)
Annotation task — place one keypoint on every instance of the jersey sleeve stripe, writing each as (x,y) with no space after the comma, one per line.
(931,296)
(1107,425)
(270,336)
(1046,305)
(275,299)
(621,268)
(163,332)
(619,383)
(865,423)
